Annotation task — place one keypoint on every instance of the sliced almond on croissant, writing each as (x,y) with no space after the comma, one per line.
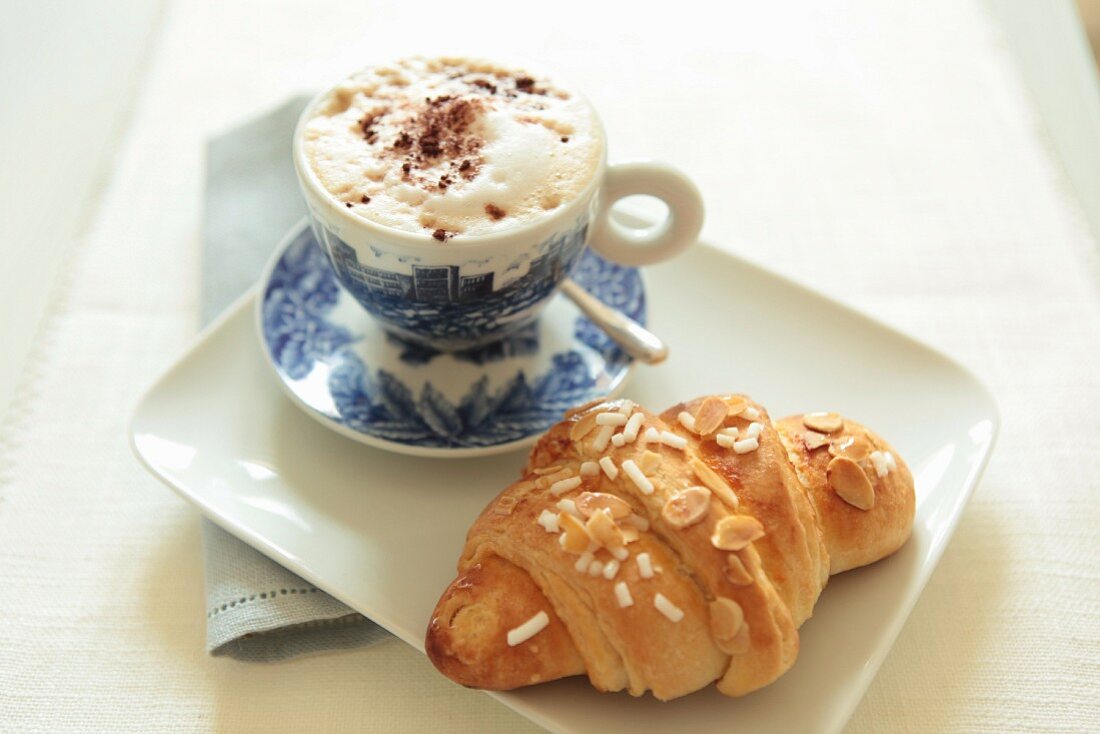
(649,462)
(714,483)
(575,536)
(726,618)
(710,415)
(850,482)
(814,440)
(734,532)
(686,507)
(621,641)
(590,502)
(856,448)
(505,505)
(582,427)
(604,531)
(738,644)
(736,405)
(736,570)
(823,422)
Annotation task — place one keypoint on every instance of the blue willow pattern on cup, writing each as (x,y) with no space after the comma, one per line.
(302,292)
(457,304)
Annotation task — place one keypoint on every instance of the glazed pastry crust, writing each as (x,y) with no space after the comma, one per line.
(852,537)
(512,568)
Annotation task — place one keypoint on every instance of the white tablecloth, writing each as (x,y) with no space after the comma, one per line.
(883,152)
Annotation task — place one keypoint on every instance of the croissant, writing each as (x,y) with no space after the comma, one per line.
(663,553)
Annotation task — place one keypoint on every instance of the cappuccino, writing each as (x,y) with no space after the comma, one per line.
(452,147)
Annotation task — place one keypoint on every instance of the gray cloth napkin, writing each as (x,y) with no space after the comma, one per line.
(256,610)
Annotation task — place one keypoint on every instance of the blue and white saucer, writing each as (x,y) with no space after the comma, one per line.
(338,363)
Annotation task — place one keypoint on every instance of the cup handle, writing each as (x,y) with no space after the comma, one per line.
(634,246)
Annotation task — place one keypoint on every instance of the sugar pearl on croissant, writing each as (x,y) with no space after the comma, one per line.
(740,628)
(630,431)
(667,608)
(746,445)
(562,486)
(622,595)
(641,481)
(609,468)
(568,506)
(603,437)
(528,629)
(549,521)
(670,439)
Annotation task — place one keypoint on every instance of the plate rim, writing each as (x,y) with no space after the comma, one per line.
(867,672)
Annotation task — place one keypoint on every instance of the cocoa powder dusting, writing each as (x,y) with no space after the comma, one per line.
(441,128)
(429,146)
(367,126)
(486,85)
(439,133)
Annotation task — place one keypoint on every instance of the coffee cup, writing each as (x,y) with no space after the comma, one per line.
(431,259)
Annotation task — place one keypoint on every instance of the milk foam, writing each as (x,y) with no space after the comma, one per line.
(452,147)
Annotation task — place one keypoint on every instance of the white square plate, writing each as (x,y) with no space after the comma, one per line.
(382,532)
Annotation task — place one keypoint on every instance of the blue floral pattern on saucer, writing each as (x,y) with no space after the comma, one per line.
(339,363)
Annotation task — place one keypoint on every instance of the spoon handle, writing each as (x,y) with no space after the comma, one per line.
(635,339)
